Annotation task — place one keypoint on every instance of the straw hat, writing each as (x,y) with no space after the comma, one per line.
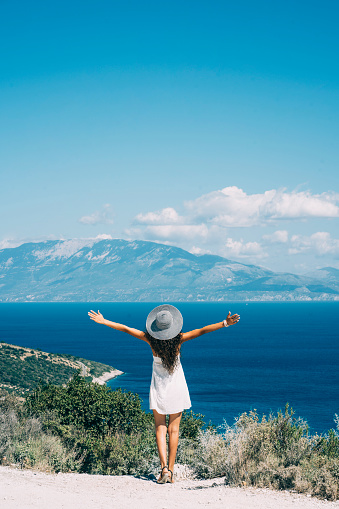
(164,322)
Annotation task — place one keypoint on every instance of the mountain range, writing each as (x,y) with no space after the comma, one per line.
(83,270)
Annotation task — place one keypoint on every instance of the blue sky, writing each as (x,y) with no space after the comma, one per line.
(208,125)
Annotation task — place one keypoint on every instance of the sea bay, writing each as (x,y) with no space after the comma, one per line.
(278,353)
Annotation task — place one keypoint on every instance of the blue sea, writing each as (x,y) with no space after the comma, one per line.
(278,353)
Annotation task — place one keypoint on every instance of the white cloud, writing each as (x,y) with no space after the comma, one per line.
(206,221)
(232,207)
(278,237)
(99,217)
(162,217)
(10,243)
(103,236)
(320,242)
(241,249)
(227,207)
(177,232)
(198,251)
(133,233)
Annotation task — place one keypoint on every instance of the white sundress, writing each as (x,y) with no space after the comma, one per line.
(168,392)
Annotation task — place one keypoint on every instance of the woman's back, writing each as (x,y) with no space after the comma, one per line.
(168,392)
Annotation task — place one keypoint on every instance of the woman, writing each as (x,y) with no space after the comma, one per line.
(168,392)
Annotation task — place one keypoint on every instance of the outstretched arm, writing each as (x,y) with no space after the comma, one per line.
(230,320)
(98,318)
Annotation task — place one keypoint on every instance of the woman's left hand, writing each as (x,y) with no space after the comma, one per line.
(231,320)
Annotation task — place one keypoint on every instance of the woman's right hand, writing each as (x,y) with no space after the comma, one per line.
(97,317)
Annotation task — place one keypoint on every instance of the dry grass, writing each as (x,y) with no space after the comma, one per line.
(23,442)
(272,452)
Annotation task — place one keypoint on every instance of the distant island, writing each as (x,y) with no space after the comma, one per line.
(22,368)
(94,270)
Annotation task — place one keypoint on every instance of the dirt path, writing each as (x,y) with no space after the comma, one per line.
(27,489)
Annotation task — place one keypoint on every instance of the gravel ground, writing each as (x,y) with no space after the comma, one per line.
(26,489)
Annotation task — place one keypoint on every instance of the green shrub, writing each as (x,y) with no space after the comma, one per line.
(319,476)
(108,429)
(23,442)
(266,452)
(191,424)
(207,455)
(329,445)
(89,406)
(273,452)
(119,454)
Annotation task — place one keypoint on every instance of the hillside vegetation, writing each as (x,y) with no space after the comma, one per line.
(21,369)
(85,427)
(66,423)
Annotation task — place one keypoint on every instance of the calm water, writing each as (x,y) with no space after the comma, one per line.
(278,353)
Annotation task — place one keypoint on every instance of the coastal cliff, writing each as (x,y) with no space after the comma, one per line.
(22,368)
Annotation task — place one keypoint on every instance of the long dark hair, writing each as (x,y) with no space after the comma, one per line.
(166,349)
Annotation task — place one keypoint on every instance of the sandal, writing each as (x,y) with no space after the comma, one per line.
(170,480)
(164,477)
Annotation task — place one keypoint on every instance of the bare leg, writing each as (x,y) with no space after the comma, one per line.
(173,438)
(160,433)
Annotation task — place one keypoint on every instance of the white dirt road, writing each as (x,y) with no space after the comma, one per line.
(27,489)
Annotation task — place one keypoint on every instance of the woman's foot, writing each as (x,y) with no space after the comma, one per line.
(164,476)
